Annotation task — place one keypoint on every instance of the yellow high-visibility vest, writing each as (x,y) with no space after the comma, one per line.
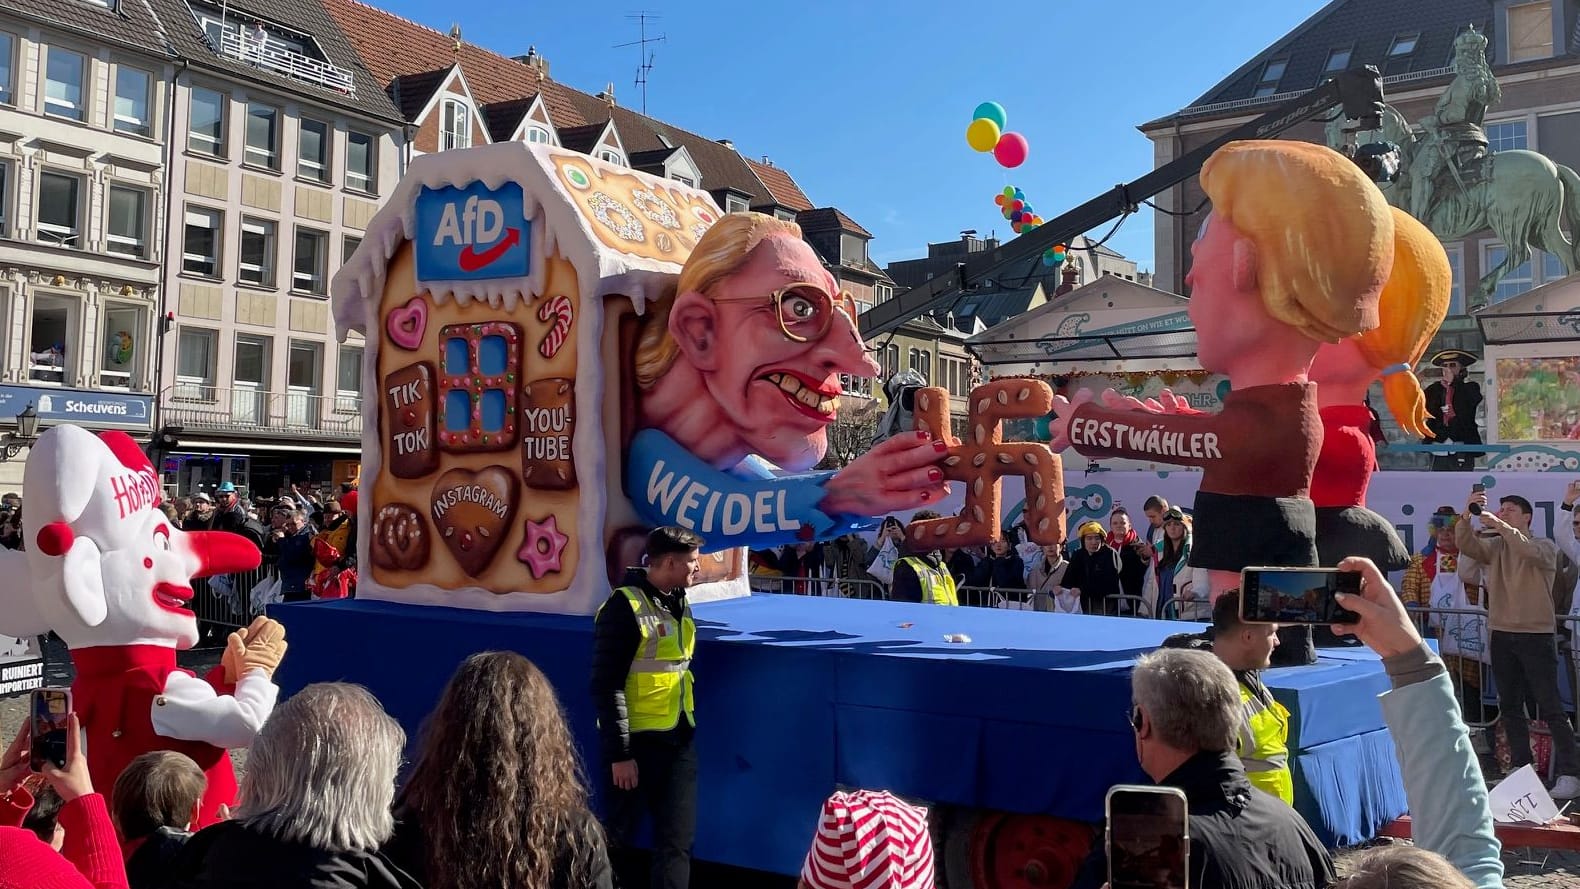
(1263,745)
(658,685)
(938,585)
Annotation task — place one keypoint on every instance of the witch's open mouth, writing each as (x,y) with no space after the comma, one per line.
(172,598)
(807,396)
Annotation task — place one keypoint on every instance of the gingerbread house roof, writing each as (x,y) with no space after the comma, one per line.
(624,229)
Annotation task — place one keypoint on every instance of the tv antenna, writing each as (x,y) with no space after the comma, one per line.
(644,58)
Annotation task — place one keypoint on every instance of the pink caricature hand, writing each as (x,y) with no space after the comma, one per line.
(896,475)
(1063,409)
(1114,401)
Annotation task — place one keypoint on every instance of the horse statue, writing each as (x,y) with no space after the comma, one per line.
(1522,196)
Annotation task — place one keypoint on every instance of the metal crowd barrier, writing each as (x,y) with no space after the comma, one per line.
(229,602)
(833,587)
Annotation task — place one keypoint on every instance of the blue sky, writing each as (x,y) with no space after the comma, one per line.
(866,102)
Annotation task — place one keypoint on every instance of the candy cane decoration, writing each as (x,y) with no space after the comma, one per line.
(559,309)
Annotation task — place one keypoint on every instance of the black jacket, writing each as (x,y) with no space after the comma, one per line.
(408,851)
(230,856)
(1096,575)
(1467,397)
(1240,837)
(615,640)
(1004,572)
(151,863)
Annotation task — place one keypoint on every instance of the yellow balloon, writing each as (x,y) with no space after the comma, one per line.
(982,135)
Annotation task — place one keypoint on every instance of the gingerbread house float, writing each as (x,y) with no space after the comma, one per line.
(500,290)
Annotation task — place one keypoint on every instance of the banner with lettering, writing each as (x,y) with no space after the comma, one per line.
(21,665)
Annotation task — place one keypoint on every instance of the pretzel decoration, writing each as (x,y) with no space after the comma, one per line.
(986,458)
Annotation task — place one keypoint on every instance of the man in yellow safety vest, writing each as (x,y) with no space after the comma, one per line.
(1263,743)
(923,576)
(643,639)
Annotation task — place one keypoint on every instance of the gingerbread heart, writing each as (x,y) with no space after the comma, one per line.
(471,513)
(407,324)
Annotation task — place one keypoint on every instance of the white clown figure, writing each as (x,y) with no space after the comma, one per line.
(108,573)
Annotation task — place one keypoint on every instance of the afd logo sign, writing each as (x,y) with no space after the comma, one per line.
(474,233)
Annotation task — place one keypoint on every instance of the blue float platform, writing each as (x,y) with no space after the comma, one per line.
(796,695)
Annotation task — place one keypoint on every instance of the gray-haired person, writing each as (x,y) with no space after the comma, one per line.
(1186,715)
(315,801)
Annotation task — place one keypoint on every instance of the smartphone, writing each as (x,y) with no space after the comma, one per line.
(51,710)
(1477,488)
(1148,838)
(1297,595)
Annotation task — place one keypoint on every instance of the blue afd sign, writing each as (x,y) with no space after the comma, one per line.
(78,406)
(474,233)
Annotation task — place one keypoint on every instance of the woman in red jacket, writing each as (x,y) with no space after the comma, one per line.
(90,857)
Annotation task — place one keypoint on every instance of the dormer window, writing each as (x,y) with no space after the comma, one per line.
(1338,60)
(539,135)
(1530,31)
(1272,73)
(611,156)
(456,129)
(1400,53)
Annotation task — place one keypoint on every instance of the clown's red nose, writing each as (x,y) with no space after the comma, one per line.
(221,552)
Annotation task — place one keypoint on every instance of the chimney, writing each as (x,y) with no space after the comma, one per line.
(726,143)
(1067,278)
(608,93)
(535,61)
(767,162)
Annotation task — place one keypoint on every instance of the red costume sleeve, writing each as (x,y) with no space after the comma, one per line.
(15,809)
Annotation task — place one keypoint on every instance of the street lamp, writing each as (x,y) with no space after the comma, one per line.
(26,433)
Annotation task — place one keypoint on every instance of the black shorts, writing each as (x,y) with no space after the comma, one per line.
(1344,531)
(1237,531)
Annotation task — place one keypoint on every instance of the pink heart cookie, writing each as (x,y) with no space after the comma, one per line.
(407,324)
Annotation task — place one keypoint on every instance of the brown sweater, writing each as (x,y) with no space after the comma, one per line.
(1519,573)
(1263,443)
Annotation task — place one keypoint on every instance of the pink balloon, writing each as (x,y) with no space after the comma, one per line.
(1011,149)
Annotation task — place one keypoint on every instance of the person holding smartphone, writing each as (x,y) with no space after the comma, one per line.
(1520,570)
(90,855)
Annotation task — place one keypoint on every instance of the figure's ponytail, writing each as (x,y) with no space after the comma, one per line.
(1410,309)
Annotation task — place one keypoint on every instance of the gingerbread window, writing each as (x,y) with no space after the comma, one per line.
(478,386)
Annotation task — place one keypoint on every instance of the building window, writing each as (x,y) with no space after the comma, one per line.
(132,91)
(1552,268)
(124,331)
(1338,60)
(613,157)
(302,373)
(1456,293)
(201,245)
(1514,283)
(5,196)
(359,162)
(1272,73)
(257,253)
(64,73)
(60,209)
(539,135)
(1531,31)
(128,223)
(308,271)
(348,246)
(54,324)
(263,136)
(882,292)
(853,250)
(7,68)
(733,204)
(206,124)
(456,126)
(312,150)
(684,180)
(1403,45)
(1508,135)
(348,380)
(250,380)
(195,361)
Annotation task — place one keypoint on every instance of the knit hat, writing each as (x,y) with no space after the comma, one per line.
(870,840)
(1091,527)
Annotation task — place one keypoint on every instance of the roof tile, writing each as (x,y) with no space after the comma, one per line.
(781,187)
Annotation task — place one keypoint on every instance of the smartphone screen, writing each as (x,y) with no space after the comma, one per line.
(1296,595)
(1148,838)
(51,707)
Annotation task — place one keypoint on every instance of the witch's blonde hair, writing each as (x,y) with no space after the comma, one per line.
(1323,232)
(1413,305)
(720,253)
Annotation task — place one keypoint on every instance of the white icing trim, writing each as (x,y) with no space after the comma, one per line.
(558,227)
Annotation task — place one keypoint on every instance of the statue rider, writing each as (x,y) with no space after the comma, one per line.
(1454,137)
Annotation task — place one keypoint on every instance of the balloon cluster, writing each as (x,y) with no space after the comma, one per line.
(1022,218)
(986,133)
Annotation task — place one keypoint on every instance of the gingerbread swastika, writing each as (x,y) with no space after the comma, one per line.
(984,458)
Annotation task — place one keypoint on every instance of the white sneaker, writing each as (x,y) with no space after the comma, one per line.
(1567,787)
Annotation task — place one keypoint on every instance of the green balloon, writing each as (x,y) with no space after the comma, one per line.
(992,111)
